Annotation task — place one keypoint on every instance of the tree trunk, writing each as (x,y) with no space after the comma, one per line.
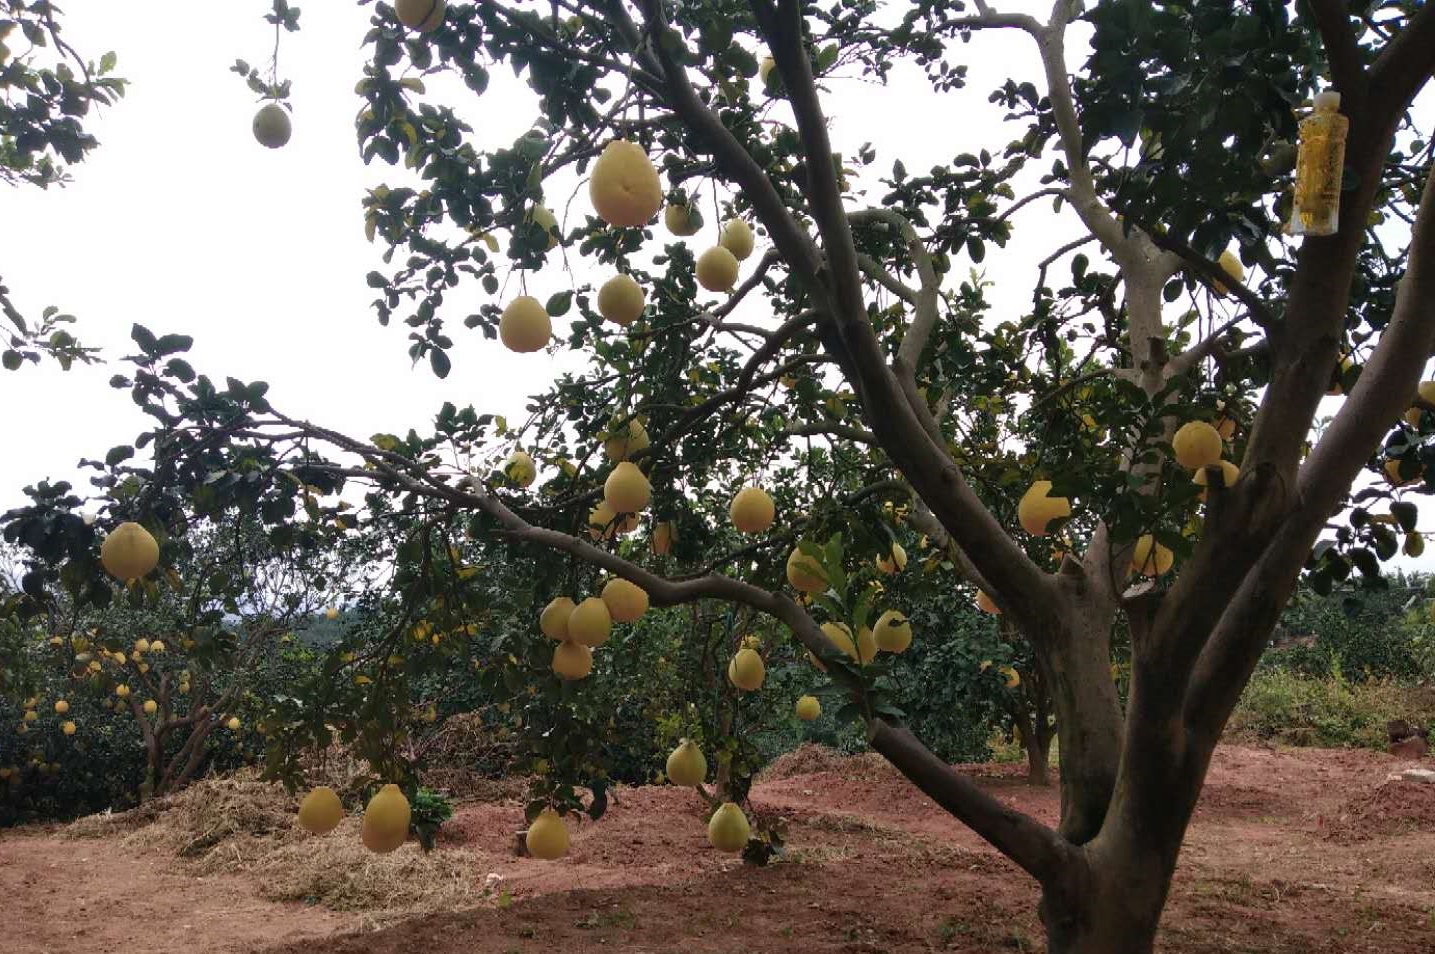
(1038,753)
(1076,663)
(1112,903)
(1036,756)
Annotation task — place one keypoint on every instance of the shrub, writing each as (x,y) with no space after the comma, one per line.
(430,809)
(1294,708)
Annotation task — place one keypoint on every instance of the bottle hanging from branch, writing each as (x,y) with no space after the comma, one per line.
(1319,168)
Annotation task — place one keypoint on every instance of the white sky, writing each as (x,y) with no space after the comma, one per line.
(182,222)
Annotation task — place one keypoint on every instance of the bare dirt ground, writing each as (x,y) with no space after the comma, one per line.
(1297,851)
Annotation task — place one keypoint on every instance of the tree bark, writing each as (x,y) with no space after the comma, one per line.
(1088,711)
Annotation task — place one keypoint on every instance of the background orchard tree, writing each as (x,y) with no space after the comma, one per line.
(47,88)
(848,347)
(180,657)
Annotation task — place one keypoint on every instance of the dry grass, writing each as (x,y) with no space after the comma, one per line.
(337,871)
(809,758)
(239,824)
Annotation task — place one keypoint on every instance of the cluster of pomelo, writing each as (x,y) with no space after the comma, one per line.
(626,192)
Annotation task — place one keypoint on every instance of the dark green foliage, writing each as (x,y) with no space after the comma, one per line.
(1362,632)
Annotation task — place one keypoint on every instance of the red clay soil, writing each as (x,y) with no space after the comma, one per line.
(871,865)
(64,896)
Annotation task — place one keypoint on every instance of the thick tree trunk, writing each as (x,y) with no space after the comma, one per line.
(1077,666)
(1038,751)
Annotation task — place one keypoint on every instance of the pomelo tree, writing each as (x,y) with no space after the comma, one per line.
(849,345)
(176,660)
(47,89)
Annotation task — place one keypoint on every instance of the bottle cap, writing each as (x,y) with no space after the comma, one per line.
(1327,102)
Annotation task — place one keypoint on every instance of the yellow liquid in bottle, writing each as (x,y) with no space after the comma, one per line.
(1320,164)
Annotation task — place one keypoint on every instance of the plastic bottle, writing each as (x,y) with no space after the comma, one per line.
(1319,168)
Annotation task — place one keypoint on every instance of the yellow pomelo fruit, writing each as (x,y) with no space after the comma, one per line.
(61,707)
(554,618)
(150,707)
(841,636)
(386,820)
(1037,508)
(31,715)
(737,238)
(681,220)
(1197,444)
(1414,544)
(752,510)
(68,728)
(590,622)
(728,829)
(1392,474)
(1426,390)
(520,469)
(543,217)
(686,765)
(421,15)
(141,645)
(624,188)
(804,574)
(863,649)
(985,604)
(572,660)
(123,691)
(1230,473)
(626,490)
(156,647)
(893,632)
(626,601)
(1230,264)
(547,837)
(272,126)
(765,68)
(601,525)
(331,613)
(807,708)
(129,552)
(621,300)
(897,561)
(1150,558)
(233,723)
(664,534)
(717,269)
(746,670)
(524,327)
(625,440)
(321,811)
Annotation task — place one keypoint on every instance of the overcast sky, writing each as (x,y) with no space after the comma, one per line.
(182,222)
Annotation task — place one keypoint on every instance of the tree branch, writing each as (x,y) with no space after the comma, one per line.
(1040,852)
(1405,65)
(1383,391)
(855,434)
(927,295)
(1332,19)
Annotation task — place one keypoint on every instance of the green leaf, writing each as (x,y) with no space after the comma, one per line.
(1406,513)
(179,368)
(559,304)
(144,338)
(439,362)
